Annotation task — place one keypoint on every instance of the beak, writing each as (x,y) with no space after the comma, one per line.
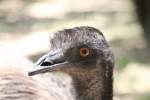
(49,62)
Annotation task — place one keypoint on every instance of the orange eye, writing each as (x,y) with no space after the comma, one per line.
(84,52)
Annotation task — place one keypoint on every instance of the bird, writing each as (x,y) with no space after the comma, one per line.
(84,54)
(15,84)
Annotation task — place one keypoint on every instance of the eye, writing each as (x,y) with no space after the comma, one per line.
(84,52)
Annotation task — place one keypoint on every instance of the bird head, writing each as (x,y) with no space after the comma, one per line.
(76,50)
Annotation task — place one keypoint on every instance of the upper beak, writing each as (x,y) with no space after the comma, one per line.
(49,62)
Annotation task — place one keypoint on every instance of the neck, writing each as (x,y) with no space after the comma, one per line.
(93,87)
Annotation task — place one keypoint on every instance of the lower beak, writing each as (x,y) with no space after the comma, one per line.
(53,61)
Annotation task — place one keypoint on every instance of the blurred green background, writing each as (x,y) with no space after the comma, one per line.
(26,25)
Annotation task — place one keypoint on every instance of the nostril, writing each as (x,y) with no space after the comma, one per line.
(46,63)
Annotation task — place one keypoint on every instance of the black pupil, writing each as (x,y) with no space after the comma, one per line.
(84,51)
